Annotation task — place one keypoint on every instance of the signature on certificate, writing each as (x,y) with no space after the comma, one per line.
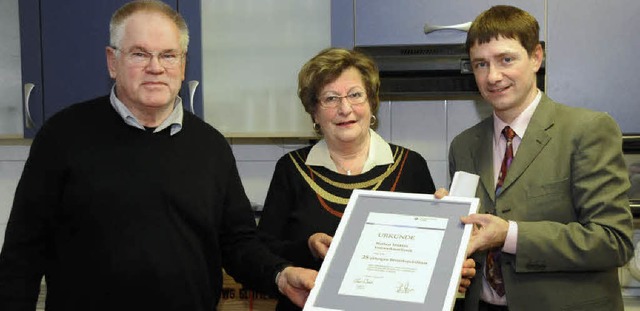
(404,288)
(363,281)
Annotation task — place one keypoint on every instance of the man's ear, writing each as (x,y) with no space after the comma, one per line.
(537,56)
(111,61)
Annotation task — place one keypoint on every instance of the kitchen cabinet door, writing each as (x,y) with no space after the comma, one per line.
(248,54)
(382,22)
(63,54)
(591,57)
(191,91)
(31,65)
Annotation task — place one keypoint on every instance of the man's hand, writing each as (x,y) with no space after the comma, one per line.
(319,244)
(295,283)
(468,272)
(489,231)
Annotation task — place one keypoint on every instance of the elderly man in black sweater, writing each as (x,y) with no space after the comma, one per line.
(128,202)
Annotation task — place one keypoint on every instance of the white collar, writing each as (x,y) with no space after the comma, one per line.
(379,154)
(520,123)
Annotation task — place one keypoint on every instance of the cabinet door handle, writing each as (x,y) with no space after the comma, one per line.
(28,87)
(462,27)
(193,84)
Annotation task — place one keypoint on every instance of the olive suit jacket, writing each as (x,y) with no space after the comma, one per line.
(566,189)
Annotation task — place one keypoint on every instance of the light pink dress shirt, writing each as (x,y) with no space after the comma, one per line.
(519,125)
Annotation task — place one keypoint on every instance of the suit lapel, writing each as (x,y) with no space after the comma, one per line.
(483,156)
(534,140)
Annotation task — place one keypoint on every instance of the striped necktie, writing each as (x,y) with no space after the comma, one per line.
(493,273)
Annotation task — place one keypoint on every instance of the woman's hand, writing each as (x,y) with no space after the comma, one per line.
(319,244)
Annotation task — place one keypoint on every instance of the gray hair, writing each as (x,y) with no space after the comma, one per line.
(116,26)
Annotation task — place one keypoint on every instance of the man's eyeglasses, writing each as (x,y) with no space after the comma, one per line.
(142,58)
(333,101)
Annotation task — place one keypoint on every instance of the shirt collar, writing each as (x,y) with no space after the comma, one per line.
(379,154)
(520,123)
(174,120)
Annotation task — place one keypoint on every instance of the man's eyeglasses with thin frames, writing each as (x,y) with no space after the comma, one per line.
(142,58)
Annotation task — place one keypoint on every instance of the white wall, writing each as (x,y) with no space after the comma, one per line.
(12,160)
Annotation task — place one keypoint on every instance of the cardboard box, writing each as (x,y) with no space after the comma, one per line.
(234,298)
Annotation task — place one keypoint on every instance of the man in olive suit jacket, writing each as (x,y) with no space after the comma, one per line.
(560,222)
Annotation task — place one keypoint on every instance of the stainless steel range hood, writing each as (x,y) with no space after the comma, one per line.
(426,71)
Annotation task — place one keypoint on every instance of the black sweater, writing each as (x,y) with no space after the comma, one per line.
(118,218)
(299,201)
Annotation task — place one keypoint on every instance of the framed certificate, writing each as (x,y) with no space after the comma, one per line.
(394,251)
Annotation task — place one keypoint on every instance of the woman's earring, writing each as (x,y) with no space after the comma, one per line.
(316,127)
(373,121)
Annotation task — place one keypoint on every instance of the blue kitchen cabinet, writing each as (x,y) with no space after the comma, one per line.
(382,22)
(191,92)
(63,55)
(591,52)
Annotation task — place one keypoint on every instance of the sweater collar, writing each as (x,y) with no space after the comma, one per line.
(174,120)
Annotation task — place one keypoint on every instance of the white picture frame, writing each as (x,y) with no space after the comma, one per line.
(377,260)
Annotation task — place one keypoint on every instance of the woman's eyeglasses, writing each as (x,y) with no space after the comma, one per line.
(333,101)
